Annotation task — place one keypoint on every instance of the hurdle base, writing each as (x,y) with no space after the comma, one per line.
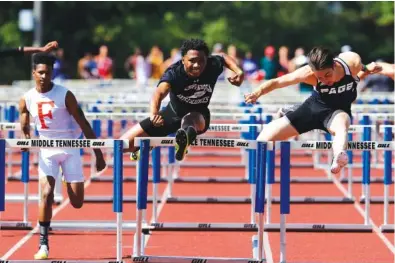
(177,259)
(307,180)
(17,198)
(13,225)
(241,227)
(389,228)
(376,200)
(359,180)
(204,179)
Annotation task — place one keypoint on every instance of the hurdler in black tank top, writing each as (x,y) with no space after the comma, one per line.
(192,94)
(341,94)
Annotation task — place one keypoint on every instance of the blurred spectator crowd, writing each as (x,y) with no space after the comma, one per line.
(271,64)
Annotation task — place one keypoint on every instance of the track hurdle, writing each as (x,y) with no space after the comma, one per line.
(156,163)
(388,131)
(145,143)
(323,145)
(58,197)
(386,227)
(116,145)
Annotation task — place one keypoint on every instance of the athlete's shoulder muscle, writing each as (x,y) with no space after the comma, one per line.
(353,60)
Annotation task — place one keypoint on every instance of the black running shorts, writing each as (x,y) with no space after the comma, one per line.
(312,114)
(172,122)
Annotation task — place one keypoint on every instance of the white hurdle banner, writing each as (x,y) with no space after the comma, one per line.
(204,142)
(351,145)
(63,143)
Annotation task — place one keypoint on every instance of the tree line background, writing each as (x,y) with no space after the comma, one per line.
(368,27)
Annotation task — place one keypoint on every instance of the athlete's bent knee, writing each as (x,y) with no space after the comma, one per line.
(47,193)
(77,203)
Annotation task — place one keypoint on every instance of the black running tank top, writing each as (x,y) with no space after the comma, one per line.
(341,94)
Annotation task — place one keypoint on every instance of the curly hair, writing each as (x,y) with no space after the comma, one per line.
(43,58)
(194,44)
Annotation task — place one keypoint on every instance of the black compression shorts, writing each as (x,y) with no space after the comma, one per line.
(172,122)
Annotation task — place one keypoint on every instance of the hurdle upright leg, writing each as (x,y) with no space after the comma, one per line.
(25,181)
(387,174)
(349,168)
(156,154)
(271,164)
(284,196)
(142,187)
(252,161)
(171,171)
(118,193)
(366,158)
(259,206)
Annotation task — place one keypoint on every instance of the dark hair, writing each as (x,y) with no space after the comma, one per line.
(320,58)
(43,58)
(194,44)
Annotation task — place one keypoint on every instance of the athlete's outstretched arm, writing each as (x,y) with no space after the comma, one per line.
(303,74)
(231,64)
(387,69)
(8,52)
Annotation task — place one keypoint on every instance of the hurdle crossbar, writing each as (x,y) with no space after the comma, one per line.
(226,199)
(243,227)
(177,259)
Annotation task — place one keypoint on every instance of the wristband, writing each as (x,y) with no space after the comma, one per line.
(364,68)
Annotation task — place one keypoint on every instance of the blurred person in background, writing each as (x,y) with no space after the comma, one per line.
(249,65)
(143,69)
(345,48)
(300,60)
(283,60)
(155,58)
(269,63)
(104,63)
(175,56)
(130,63)
(218,51)
(87,67)
(21,50)
(232,53)
(60,66)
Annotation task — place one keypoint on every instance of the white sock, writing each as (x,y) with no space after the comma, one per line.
(339,142)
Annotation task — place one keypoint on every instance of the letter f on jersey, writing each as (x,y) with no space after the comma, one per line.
(48,113)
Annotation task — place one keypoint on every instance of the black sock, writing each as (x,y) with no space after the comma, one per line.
(44,229)
(191,132)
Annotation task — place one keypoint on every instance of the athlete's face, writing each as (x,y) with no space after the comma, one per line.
(195,62)
(326,76)
(42,75)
